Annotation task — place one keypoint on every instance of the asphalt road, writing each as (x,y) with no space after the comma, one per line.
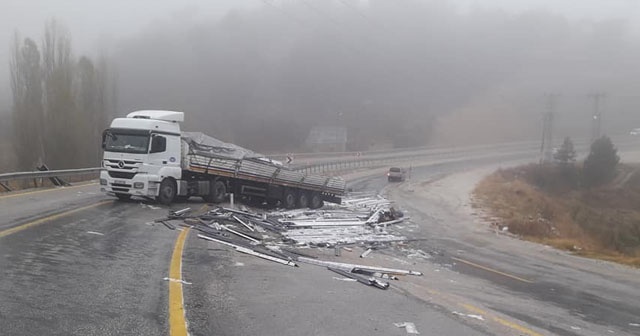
(95,266)
(74,262)
(549,290)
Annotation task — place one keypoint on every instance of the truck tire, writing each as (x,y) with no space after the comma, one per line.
(289,199)
(167,192)
(303,200)
(316,201)
(123,197)
(218,192)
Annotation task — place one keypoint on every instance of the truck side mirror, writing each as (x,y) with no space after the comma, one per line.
(158,144)
(104,139)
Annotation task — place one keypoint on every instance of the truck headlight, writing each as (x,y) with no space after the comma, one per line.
(103,181)
(138,185)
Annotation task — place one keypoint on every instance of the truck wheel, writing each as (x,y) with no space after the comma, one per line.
(289,199)
(168,190)
(123,197)
(316,201)
(218,192)
(303,200)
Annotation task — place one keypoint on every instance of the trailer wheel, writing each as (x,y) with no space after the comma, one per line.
(167,193)
(303,200)
(316,201)
(218,192)
(123,197)
(289,199)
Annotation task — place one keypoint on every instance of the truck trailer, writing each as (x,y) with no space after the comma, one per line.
(146,154)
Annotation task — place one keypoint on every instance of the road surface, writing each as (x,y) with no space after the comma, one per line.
(75,262)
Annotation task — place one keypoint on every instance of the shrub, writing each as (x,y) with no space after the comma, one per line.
(600,165)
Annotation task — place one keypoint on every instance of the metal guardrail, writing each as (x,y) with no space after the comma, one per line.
(407,157)
(43,174)
(48,173)
(341,161)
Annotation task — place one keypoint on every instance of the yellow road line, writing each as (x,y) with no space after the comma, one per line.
(45,190)
(48,218)
(491,270)
(177,319)
(522,329)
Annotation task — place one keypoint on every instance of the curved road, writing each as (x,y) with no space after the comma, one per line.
(74,262)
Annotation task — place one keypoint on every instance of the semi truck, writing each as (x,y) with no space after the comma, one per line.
(146,154)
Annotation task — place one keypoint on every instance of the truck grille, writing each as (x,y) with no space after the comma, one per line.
(122,175)
(121,164)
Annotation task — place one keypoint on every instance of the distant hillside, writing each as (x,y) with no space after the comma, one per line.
(601,223)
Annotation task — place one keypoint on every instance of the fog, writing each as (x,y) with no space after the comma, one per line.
(395,73)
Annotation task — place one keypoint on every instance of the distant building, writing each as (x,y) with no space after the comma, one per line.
(327,139)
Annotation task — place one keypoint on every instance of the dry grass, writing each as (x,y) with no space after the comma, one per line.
(600,223)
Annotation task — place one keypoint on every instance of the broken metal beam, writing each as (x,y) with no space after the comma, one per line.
(180,212)
(243,223)
(365,253)
(370,281)
(240,234)
(249,251)
(349,267)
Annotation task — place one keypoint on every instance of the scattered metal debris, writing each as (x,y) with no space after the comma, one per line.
(365,253)
(177,280)
(95,233)
(408,326)
(369,281)
(477,317)
(350,267)
(278,236)
(345,279)
(246,250)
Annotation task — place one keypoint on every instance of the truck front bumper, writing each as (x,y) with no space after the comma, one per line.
(140,185)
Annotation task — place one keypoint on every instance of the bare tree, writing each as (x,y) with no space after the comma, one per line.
(59,105)
(28,117)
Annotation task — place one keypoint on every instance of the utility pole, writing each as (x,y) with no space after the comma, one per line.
(596,118)
(546,145)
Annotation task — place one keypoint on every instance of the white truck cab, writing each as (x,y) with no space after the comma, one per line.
(141,151)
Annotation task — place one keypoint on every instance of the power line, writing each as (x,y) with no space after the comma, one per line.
(546,145)
(596,118)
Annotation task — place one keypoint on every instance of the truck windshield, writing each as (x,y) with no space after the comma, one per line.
(127,143)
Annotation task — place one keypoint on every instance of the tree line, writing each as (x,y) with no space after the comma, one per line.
(61,103)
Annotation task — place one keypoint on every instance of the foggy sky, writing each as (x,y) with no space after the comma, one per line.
(94,23)
(571,47)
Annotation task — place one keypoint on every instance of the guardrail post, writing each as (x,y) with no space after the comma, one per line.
(5,187)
